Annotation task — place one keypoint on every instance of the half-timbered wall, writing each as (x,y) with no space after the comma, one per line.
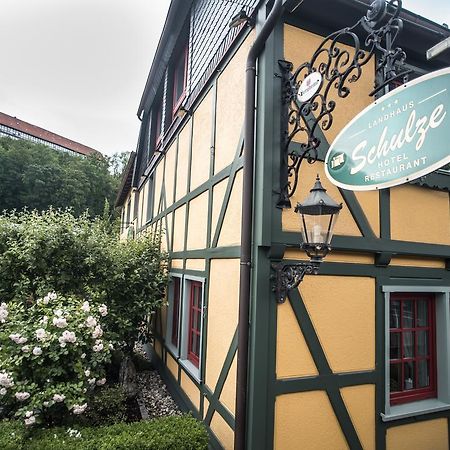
(197,205)
(322,379)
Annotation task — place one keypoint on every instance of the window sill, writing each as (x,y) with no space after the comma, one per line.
(172,350)
(189,367)
(414,409)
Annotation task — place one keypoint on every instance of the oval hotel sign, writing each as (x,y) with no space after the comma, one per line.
(400,137)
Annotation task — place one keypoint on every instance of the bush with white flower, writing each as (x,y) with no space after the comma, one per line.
(52,353)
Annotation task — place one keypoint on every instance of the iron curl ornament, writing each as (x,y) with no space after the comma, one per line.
(338,67)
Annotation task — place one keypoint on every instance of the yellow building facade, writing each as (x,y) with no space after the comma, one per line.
(321,370)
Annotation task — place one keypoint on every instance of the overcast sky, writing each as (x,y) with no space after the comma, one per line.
(78,67)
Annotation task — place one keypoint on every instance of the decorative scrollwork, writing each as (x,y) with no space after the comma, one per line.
(288,276)
(339,66)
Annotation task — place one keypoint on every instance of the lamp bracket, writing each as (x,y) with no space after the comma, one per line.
(289,275)
(338,67)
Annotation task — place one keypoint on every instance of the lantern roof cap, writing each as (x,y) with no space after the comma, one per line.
(318,202)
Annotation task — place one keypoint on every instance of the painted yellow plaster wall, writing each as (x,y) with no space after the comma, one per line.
(346,108)
(417,262)
(360,258)
(218,196)
(198,219)
(172,366)
(293,356)
(205,407)
(231,228)
(427,221)
(167,230)
(360,403)
(222,315)
(183,161)
(169,179)
(195,264)
(426,435)
(342,310)
(201,141)
(230,107)
(222,431)
(178,229)
(190,389)
(370,203)
(177,263)
(345,225)
(228,395)
(159,174)
(306,421)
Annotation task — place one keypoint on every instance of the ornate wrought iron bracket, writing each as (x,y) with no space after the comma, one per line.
(288,276)
(338,66)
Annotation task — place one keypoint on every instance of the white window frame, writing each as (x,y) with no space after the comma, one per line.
(442,401)
(169,345)
(181,353)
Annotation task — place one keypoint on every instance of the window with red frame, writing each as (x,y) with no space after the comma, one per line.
(158,124)
(176,311)
(179,79)
(195,316)
(412,347)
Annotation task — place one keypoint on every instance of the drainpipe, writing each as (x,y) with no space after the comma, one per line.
(247,226)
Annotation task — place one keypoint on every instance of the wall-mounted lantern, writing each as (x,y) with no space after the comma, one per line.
(318,214)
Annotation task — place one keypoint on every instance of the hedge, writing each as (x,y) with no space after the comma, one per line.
(167,433)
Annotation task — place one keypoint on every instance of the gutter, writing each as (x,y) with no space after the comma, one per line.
(240,437)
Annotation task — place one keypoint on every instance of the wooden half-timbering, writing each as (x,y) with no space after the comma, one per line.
(319,361)
(197,207)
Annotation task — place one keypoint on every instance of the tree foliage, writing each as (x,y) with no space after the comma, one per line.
(37,177)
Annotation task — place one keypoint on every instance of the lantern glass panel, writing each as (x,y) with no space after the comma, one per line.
(318,229)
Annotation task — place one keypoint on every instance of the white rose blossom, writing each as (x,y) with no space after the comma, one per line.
(28,414)
(3,391)
(67,336)
(87,373)
(103,310)
(91,381)
(60,322)
(83,355)
(59,398)
(98,347)
(44,320)
(101,382)
(6,380)
(98,332)
(46,404)
(26,349)
(79,409)
(85,307)
(91,322)
(41,334)
(22,396)
(30,420)
(37,351)
(58,312)
(3,312)
(18,338)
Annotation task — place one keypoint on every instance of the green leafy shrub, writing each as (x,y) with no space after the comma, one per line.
(168,433)
(52,353)
(54,250)
(106,406)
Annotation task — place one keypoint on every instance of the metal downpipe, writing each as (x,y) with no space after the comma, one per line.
(247,225)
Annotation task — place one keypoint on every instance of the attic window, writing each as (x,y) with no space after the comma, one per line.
(179,79)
